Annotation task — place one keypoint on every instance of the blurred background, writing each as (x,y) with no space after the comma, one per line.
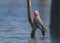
(14,25)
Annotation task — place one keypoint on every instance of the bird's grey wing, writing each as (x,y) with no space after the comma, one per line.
(40,24)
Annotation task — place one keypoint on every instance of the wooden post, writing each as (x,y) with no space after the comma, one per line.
(55,21)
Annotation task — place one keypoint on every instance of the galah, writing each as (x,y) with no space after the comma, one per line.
(38,21)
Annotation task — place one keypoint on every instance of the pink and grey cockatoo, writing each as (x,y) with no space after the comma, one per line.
(38,22)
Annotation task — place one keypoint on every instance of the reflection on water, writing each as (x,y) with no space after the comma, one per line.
(14,25)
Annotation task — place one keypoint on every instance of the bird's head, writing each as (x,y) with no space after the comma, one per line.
(36,13)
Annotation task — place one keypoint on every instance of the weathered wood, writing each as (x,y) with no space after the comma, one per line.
(29,8)
(55,21)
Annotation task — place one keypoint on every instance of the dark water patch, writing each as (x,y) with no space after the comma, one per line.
(2,38)
(1,19)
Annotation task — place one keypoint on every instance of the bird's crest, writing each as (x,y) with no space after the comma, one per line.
(36,13)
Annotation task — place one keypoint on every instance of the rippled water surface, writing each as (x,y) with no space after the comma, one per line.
(14,25)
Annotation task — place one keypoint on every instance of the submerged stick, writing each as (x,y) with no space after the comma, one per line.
(29,8)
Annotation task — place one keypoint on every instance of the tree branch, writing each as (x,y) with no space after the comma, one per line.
(29,8)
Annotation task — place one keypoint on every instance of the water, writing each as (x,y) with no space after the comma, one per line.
(14,25)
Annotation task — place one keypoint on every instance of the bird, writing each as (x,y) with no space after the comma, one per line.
(38,22)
